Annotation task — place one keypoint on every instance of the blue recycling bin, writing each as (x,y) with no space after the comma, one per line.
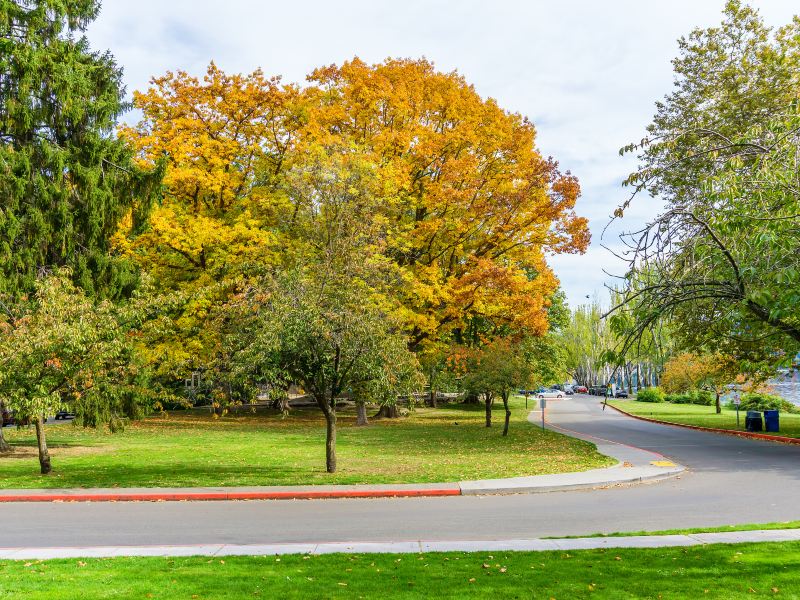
(771,421)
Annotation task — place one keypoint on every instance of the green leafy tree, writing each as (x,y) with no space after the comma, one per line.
(711,372)
(584,341)
(498,369)
(62,347)
(330,342)
(721,262)
(728,79)
(65,179)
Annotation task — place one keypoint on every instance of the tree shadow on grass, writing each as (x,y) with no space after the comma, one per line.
(168,475)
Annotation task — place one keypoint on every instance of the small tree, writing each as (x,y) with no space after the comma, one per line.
(402,379)
(478,379)
(329,341)
(498,369)
(61,346)
(710,372)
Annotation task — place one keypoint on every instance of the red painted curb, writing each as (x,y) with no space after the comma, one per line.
(745,434)
(210,496)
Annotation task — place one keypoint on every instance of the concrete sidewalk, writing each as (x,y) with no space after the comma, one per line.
(406,547)
(634,466)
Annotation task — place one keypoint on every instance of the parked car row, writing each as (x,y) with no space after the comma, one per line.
(601,390)
(9,417)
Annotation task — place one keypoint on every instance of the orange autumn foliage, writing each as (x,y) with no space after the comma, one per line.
(463,209)
(472,206)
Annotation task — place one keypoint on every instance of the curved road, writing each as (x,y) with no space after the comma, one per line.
(728,481)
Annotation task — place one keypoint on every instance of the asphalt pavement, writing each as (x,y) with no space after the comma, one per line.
(728,481)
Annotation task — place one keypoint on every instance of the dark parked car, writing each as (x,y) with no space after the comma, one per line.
(64,414)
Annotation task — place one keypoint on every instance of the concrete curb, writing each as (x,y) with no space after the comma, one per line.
(407,547)
(743,434)
(109,496)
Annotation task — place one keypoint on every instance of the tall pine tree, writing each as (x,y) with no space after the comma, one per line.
(66,180)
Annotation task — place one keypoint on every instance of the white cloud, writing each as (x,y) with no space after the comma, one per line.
(587,73)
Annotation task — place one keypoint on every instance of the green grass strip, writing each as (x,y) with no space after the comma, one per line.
(718,571)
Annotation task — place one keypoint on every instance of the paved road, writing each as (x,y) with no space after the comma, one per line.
(730,480)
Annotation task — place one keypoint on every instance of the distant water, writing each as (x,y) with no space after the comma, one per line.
(787,386)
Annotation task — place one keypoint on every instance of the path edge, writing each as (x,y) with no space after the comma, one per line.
(778,439)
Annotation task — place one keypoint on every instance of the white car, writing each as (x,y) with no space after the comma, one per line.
(549,394)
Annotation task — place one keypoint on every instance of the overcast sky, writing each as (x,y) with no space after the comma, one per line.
(587,73)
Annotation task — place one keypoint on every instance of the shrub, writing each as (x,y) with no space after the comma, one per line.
(684,398)
(704,398)
(701,397)
(755,401)
(652,394)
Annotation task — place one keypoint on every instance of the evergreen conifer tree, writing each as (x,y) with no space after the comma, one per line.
(66,179)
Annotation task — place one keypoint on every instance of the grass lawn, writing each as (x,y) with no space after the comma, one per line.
(719,571)
(181,449)
(704,416)
(745,527)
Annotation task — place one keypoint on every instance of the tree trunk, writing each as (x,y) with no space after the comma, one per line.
(488,400)
(4,445)
(388,411)
(41,441)
(471,398)
(629,373)
(330,442)
(330,433)
(432,381)
(508,413)
(432,399)
(717,403)
(361,412)
(281,404)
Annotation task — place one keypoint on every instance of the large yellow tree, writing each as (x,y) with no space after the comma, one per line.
(459,207)
(216,223)
(470,206)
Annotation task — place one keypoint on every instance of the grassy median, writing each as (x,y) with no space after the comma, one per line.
(703,416)
(181,449)
(719,571)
